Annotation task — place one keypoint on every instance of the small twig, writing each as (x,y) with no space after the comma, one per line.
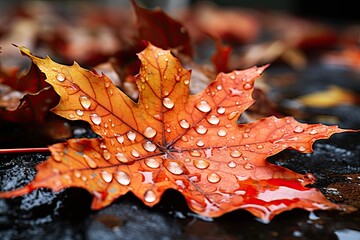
(24,150)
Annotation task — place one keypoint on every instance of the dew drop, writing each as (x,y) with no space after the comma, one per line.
(219,87)
(201,129)
(232,77)
(247,86)
(85,102)
(221,133)
(149,196)
(246,135)
(89,161)
(195,153)
(200,143)
(298,129)
(131,135)
(201,164)
(57,156)
(79,112)
(60,77)
(203,106)
(152,163)
(106,154)
(96,119)
(248,166)
(149,146)
(107,84)
(184,124)
(106,176)
(120,139)
(301,148)
(122,177)
(236,154)
(77,173)
(174,167)
(213,177)
(186,81)
(221,110)
(232,115)
(213,119)
(184,138)
(313,132)
(149,132)
(168,103)
(135,153)
(231,164)
(121,157)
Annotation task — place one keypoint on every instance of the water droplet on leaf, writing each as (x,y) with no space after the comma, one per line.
(135,153)
(213,177)
(149,196)
(106,176)
(60,77)
(90,162)
(201,129)
(131,135)
(235,154)
(213,119)
(79,112)
(221,133)
(168,103)
(221,110)
(121,157)
(184,124)
(201,164)
(122,177)
(149,146)
(231,164)
(149,132)
(96,119)
(298,129)
(152,163)
(85,102)
(203,106)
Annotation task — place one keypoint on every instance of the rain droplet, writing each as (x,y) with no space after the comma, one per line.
(57,156)
(247,86)
(168,103)
(248,166)
(79,112)
(120,138)
(221,110)
(232,115)
(195,153)
(301,148)
(313,132)
(221,133)
(231,164)
(219,87)
(77,173)
(121,157)
(122,177)
(149,146)
(152,163)
(149,132)
(174,167)
(203,106)
(213,177)
(96,119)
(186,81)
(200,143)
(106,176)
(107,84)
(60,77)
(213,119)
(135,153)
(149,196)
(85,102)
(236,154)
(89,161)
(71,116)
(298,129)
(131,135)
(106,154)
(232,77)
(201,129)
(201,164)
(184,124)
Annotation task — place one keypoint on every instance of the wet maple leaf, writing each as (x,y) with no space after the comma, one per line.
(170,139)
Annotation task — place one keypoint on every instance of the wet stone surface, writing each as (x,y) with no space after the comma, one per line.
(67,215)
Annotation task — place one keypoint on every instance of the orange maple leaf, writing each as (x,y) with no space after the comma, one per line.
(170,139)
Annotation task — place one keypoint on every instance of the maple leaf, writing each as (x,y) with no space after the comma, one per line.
(170,139)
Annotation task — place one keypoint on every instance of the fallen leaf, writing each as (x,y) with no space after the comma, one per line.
(170,139)
(332,96)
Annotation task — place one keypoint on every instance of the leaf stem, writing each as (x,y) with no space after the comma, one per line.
(24,150)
